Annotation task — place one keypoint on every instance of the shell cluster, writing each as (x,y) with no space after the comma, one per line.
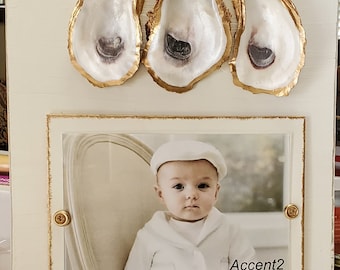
(187,40)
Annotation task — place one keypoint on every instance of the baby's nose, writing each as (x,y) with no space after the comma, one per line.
(192,193)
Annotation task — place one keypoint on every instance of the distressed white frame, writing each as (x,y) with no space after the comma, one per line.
(294,127)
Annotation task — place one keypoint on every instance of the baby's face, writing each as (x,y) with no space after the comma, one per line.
(188,188)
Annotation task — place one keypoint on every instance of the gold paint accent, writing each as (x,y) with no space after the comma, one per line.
(49,195)
(62,218)
(303,196)
(239,6)
(291,211)
(153,24)
(163,117)
(137,9)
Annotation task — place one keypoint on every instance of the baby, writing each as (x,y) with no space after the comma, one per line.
(192,233)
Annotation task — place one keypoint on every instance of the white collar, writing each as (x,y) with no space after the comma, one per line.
(159,224)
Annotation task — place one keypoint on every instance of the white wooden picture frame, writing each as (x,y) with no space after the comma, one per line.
(90,156)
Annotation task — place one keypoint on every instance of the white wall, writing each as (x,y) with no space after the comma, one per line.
(41,80)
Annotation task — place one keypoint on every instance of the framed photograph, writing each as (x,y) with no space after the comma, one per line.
(102,190)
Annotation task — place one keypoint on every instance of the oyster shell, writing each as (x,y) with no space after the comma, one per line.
(269,49)
(186,41)
(104,40)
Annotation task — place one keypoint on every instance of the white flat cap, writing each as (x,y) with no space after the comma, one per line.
(186,151)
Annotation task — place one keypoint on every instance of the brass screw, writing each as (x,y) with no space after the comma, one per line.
(62,218)
(291,211)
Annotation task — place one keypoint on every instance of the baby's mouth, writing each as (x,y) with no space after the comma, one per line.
(191,206)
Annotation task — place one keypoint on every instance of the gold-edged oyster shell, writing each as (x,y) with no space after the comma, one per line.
(186,41)
(104,40)
(269,49)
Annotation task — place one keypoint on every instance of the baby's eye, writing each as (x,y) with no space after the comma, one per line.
(178,187)
(203,186)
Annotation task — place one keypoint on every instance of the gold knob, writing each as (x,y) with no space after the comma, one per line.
(291,211)
(62,218)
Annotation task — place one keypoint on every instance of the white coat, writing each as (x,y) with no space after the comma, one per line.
(159,247)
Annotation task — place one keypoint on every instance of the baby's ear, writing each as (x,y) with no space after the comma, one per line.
(158,192)
(217,190)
